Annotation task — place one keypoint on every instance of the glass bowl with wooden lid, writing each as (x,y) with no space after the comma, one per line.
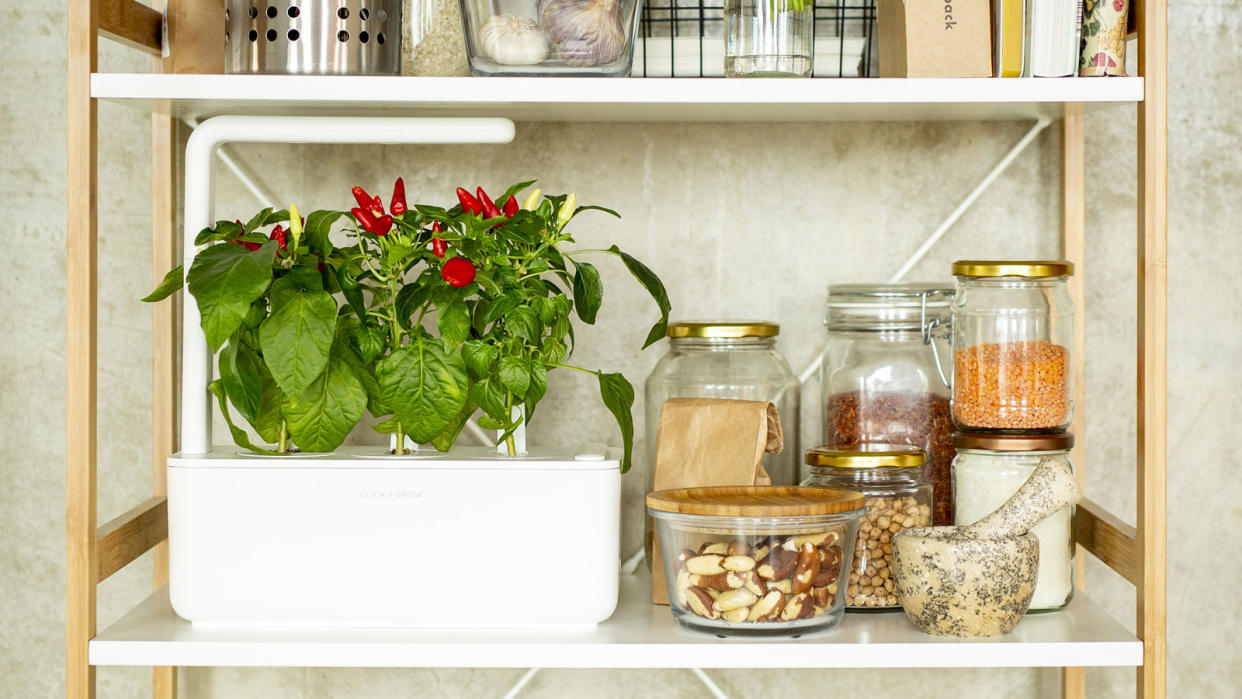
(756,560)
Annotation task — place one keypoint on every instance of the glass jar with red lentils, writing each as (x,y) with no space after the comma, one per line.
(1013,339)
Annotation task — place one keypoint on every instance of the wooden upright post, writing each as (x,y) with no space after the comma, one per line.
(1152,342)
(82,562)
(164,257)
(1073,248)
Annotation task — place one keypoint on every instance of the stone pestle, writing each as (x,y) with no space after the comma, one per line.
(1050,488)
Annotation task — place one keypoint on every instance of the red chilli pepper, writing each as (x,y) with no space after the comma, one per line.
(511,206)
(364,218)
(438,245)
(361,196)
(383,224)
(377,207)
(398,206)
(489,207)
(458,272)
(278,234)
(468,203)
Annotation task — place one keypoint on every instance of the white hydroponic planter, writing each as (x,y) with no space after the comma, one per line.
(466,539)
(356,538)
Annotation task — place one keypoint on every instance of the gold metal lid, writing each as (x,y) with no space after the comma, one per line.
(866,456)
(756,501)
(1060,441)
(1030,269)
(724,328)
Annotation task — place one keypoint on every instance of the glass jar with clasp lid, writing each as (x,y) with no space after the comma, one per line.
(884,374)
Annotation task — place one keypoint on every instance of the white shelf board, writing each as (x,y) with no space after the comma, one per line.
(639,635)
(616,99)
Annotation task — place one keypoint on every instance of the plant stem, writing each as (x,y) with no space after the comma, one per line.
(575,368)
(394,338)
(511,445)
(283,446)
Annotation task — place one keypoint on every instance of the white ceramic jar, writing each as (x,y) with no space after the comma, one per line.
(988,469)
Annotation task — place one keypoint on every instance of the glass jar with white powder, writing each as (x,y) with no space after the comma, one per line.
(988,469)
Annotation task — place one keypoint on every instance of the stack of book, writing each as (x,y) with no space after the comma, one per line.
(1036,38)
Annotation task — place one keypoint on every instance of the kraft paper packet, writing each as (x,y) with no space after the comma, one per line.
(711,441)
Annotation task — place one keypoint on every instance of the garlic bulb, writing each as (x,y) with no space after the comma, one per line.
(588,32)
(513,41)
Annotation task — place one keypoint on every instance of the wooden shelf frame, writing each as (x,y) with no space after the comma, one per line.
(93,553)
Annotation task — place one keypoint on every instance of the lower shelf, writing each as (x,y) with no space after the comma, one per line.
(638,635)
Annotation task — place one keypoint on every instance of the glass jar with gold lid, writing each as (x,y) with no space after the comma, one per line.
(1013,338)
(897,497)
(734,359)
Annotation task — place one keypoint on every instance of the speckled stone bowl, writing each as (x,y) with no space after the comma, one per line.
(955,585)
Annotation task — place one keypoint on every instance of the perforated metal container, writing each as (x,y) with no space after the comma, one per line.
(313,37)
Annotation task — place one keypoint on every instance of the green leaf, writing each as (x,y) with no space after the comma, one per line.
(266,217)
(490,423)
(297,337)
(499,308)
(424,385)
(239,375)
(655,287)
(490,395)
(515,374)
(411,298)
(444,441)
(538,387)
(322,417)
(487,282)
(240,438)
(590,207)
(554,351)
(271,407)
(588,291)
(225,280)
(618,397)
(315,232)
(223,230)
(352,291)
(454,322)
(523,322)
(369,343)
(479,357)
(171,282)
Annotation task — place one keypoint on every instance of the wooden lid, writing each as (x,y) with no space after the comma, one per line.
(756,501)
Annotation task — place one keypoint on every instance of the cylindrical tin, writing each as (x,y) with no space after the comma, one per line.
(313,37)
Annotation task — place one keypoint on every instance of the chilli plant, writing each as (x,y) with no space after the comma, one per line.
(268,308)
(498,285)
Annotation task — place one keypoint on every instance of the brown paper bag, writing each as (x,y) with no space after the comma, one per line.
(711,441)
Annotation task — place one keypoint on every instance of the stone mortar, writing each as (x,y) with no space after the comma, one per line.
(955,586)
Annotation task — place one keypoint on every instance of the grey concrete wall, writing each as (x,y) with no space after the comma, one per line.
(740,220)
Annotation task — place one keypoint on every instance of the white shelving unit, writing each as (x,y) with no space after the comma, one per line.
(615,99)
(639,635)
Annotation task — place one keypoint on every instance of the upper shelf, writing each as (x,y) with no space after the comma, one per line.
(638,635)
(617,99)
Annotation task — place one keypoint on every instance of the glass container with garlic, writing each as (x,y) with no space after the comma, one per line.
(550,37)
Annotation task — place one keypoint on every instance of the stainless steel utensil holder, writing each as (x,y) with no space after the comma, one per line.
(313,37)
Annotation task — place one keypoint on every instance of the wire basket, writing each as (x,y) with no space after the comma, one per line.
(685,38)
(315,37)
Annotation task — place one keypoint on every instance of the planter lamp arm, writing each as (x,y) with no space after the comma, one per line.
(202,144)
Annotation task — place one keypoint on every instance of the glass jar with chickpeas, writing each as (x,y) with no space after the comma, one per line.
(897,497)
